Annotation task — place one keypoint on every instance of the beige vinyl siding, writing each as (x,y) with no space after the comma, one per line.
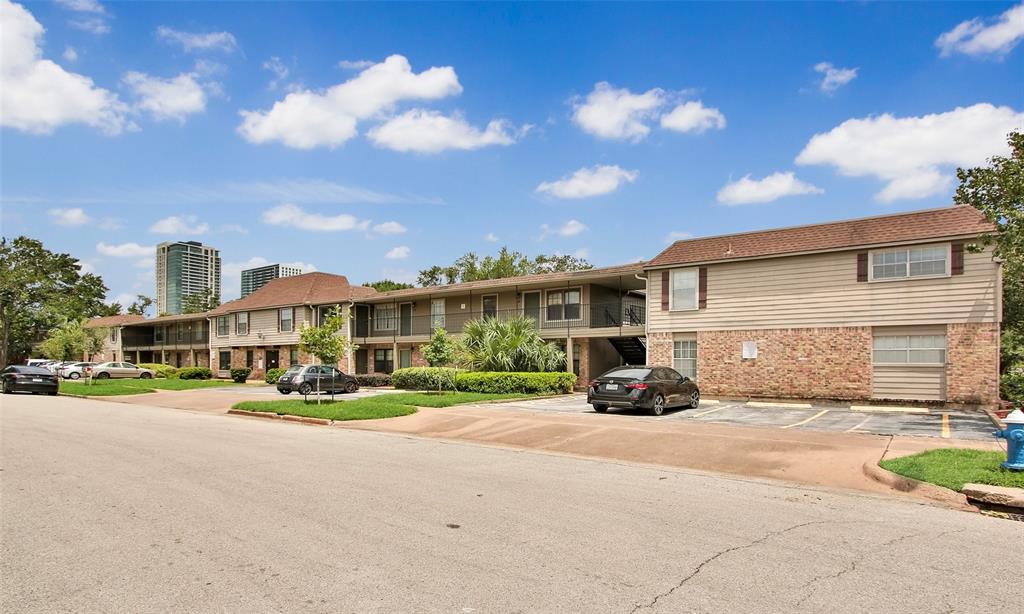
(822,290)
(902,382)
(262,321)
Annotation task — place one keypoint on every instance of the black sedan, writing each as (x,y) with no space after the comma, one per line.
(305,379)
(650,388)
(19,378)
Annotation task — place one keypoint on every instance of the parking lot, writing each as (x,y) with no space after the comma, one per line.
(919,422)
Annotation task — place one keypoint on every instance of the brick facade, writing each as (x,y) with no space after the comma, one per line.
(972,363)
(659,349)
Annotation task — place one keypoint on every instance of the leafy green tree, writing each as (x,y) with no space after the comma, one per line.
(71,340)
(490,344)
(40,289)
(387,285)
(507,263)
(327,342)
(440,350)
(141,305)
(199,302)
(997,190)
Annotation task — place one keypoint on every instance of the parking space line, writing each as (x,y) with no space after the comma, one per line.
(782,405)
(805,421)
(857,428)
(945,426)
(710,411)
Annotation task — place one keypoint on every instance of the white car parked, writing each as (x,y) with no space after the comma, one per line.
(75,370)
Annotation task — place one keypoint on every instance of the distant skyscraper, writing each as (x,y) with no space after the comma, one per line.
(184,268)
(254,279)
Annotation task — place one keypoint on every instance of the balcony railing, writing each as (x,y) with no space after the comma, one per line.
(193,339)
(630,312)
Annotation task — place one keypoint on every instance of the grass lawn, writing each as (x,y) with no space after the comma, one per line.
(370,408)
(953,467)
(116,387)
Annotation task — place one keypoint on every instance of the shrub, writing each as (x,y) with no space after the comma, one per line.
(240,374)
(1011,386)
(515,382)
(161,370)
(373,380)
(273,375)
(509,345)
(195,373)
(425,378)
(440,351)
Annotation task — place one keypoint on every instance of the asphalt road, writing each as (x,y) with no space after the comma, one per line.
(108,507)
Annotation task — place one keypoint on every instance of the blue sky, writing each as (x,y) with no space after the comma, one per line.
(374,140)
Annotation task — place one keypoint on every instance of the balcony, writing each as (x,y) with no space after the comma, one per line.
(146,340)
(625,317)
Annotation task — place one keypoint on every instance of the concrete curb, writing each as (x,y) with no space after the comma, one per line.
(916,487)
(272,416)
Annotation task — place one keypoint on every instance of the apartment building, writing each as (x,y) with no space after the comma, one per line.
(113,327)
(184,268)
(890,307)
(179,341)
(256,278)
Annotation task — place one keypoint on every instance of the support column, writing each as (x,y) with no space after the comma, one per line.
(568,353)
(394,356)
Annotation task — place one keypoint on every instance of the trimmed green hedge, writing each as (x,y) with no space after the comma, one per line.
(273,375)
(195,373)
(373,380)
(1012,385)
(161,370)
(425,378)
(431,378)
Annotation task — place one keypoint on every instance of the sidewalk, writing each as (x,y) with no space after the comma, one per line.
(804,457)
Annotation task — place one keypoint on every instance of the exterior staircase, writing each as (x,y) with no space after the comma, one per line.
(632,349)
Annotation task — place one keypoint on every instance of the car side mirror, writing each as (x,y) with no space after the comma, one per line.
(684,379)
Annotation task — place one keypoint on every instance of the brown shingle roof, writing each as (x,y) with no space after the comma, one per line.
(914,226)
(118,320)
(181,317)
(307,289)
(623,269)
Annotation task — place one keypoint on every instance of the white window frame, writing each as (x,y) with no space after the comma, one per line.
(563,292)
(677,357)
(908,348)
(237,331)
(871,263)
(437,320)
(227,326)
(696,289)
(382,321)
(280,320)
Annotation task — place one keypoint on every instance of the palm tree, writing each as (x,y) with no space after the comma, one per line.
(490,344)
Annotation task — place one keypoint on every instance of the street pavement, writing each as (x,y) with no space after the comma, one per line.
(130,508)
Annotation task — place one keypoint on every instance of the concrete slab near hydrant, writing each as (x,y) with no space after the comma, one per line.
(995,495)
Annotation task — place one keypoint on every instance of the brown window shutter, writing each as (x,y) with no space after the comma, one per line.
(862,266)
(664,290)
(956,265)
(702,287)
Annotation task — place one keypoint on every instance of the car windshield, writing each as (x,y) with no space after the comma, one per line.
(294,369)
(628,373)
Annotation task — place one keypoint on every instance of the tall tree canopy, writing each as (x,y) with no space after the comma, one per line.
(40,289)
(141,305)
(508,263)
(198,302)
(386,285)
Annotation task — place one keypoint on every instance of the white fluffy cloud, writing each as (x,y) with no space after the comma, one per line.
(979,37)
(399,253)
(305,119)
(772,187)
(276,66)
(174,98)
(611,113)
(70,54)
(834,77)
(126,250)
(93,21)
(355,64)
(205,41)
(568,229)
(291,215)
(69,217)
(588,182)
(180,225)
(425,131)
(39,96)
(389,228)
(693,116)
(911,153)
(83,6)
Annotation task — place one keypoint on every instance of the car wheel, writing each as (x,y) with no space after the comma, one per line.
(695,399)
(103,375)
(285,391)
(145,376)
(52,394)
(74,375)
(600,408)
(658,405)
(7,388)
(305,388)
(351,387)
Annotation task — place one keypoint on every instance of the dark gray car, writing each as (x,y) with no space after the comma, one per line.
(307,379)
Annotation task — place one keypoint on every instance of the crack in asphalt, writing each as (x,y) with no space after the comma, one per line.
(851,567)
(652,603)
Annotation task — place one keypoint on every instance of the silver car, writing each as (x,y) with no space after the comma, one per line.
(108,370)
(75,370)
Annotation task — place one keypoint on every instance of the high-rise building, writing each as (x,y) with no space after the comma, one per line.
(254,279)
(184,268)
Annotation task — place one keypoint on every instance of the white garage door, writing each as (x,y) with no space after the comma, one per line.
(909,363)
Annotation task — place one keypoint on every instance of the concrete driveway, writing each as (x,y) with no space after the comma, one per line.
(916,422)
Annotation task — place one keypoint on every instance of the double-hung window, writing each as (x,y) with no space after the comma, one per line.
(293,357)
(384,317)
(222,326)
(684,358)
(437,309)
(224,358)
(904,263)
(910,349)
(564,304)
(113,335)
(158,334)
(181,332)
(286,319)
(683,289)
(383,361)
(242,323)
